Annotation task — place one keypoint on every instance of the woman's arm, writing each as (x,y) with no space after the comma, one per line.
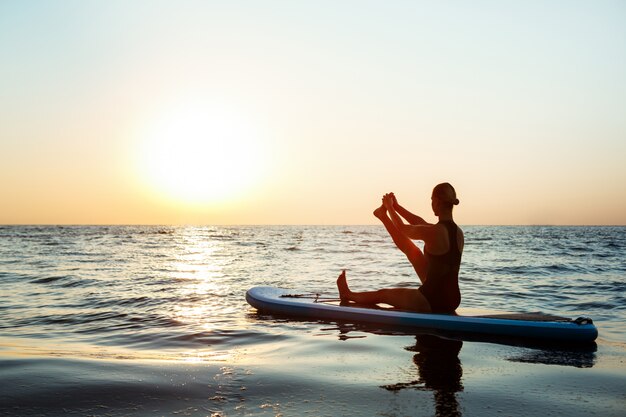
(413,219)
(405,229)
(425,231)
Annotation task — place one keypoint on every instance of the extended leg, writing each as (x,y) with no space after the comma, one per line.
(403,298)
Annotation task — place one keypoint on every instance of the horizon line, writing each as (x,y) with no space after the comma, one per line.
(279,225)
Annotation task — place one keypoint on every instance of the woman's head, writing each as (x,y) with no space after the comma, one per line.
(444,197)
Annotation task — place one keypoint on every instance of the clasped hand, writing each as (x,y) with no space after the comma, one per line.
(389,201)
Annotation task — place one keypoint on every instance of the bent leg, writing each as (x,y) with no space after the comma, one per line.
(406,245)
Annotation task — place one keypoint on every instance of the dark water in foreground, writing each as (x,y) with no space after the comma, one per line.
(153,321)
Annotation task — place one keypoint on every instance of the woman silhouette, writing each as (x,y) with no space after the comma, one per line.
(437,267)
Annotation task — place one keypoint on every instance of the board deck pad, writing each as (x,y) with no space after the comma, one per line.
(535,325)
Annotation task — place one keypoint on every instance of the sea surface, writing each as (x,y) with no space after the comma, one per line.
(152,320)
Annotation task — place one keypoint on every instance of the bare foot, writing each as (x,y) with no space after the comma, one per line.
(380,212)
(342,285)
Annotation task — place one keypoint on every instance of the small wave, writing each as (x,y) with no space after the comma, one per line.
(205,338)
(578,248)
(13,276)
(193,340)
(15,261)
(509,295)
(47,280)
(407,284)
(516,270)
(533,270)
(78,283)
(593,305)
(156,320)
(243,243)
(222,237)
(69,319)
(365,232)
(617,286)
(137,301)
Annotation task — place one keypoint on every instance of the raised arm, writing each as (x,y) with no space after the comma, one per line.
(405,229)
(424,231)
(413,219)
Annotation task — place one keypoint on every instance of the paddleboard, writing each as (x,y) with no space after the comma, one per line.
(537,326)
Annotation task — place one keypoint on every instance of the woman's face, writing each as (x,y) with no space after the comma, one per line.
(434,203)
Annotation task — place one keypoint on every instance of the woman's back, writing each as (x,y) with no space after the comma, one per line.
(442,277)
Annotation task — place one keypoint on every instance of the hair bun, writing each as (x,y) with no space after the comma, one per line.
(456,202)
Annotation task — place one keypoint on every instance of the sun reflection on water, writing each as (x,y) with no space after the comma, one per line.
(198,269)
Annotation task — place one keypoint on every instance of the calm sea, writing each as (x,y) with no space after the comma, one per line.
(160,292)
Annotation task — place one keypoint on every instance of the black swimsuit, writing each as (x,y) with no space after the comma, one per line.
(441,288)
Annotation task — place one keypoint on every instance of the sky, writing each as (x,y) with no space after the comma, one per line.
(295,112)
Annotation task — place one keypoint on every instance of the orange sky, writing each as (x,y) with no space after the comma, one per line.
(294,113)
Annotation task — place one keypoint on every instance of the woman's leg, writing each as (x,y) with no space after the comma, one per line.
(406,245)
(403,298)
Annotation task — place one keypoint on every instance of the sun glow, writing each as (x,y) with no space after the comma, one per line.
(200,154)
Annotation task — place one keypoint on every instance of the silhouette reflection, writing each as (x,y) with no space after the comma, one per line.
(439,369)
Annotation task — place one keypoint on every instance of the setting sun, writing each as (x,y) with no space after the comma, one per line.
(199,154)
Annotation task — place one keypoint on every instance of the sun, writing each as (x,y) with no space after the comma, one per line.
(200,154)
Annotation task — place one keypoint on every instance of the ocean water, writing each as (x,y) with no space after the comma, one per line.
(146,299)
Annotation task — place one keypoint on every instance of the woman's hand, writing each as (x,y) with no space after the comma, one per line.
(388,200)
(395,201)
